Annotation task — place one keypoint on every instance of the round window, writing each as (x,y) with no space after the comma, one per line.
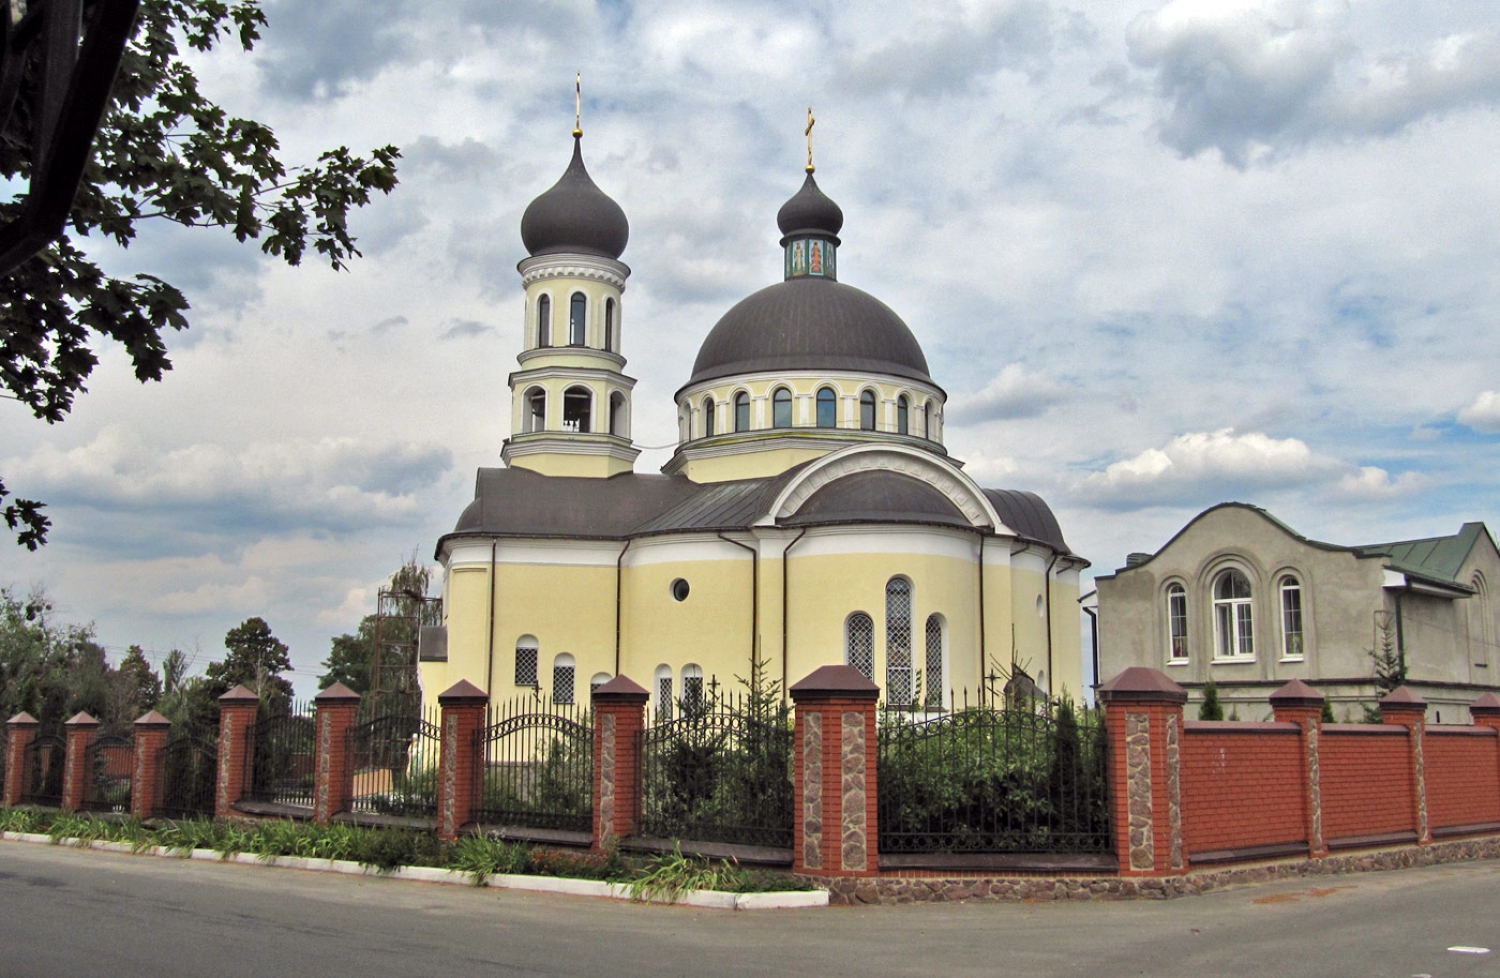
(680,589)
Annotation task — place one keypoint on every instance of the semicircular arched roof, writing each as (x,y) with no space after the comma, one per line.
(877,497)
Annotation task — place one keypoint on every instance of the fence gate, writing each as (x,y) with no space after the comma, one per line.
(985,780)
(280,758)
(108,766)
(189,766)
(44,770)
(720,772)
(538,768)
(394,762)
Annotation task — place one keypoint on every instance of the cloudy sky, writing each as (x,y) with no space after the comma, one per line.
(1160,256)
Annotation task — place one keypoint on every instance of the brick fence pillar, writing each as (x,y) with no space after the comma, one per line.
(22,730)
(336,706)
(237,710)
(1143,720)
(619,718)
(1486,713)
(1299,703)
(835,786)
(80,732)
(1403,707)
(463,707)
(151,732)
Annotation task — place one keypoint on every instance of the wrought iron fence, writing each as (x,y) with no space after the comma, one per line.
(44,758)
(188,765)
(720,772)
(394,763)
(109,765)
(1028,779)
(280,759)
(538,768)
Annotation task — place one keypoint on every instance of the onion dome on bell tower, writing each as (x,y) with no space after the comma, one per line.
(575,216)
(810,223)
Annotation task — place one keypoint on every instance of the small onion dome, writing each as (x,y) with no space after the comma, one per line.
(810,210)
(575,216)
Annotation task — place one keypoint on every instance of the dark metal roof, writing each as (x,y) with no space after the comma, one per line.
(878,497)
(1029,516)
(575,216)
(519,502)
(810,210)
(810,324)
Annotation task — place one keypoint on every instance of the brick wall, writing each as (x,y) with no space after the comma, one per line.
(1242,785)
(1463,776)
(1367,787)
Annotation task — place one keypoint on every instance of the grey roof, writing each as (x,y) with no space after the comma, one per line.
(1029,515)
(811,210)
(575,216)
(810,324)
(878,497)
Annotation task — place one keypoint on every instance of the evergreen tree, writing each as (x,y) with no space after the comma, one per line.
(1210,708)
(141,684)
(1389,667)
(256,660)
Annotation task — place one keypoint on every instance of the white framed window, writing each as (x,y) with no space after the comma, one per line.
(781,408)
(1293,641)
(563,669)
(526,656)
(867,410)
(742,411)
(859,643)
(1234,626)
(898,642)
(1177,633)
(828,408)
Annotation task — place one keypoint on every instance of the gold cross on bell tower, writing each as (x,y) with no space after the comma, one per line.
(808,132)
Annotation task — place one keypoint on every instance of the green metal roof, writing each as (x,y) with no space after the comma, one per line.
(1437,559)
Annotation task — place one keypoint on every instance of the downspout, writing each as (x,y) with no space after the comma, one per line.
(754,596)
(619,575)
(982,608)
(1047,603)
(1094,635)
(786,681)
(489,673)
(1400,628)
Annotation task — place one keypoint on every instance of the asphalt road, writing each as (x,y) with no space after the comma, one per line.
(67,913)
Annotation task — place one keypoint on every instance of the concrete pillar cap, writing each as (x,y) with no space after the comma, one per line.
(462,693)
(1487,703)
(240,694)
(1402,698)
(152,719)
(337,693)
(621,689)
(81,719)
(1141,684)
(23,719)
(1297,693)
(835,682)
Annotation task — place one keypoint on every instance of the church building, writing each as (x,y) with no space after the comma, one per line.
(810,514)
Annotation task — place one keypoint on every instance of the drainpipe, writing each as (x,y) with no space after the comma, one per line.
(982,659)
(786,680)
(489,673)
(1094,635)
(619,572)
(754,596)
(1047,603)
(1400,628)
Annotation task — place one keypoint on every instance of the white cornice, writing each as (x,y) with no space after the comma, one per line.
(847,383)
(568,443)
(776,439)
(541,352)
(559,372)
(539,267)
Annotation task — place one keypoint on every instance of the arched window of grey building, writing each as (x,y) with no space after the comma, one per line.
(562,679)
(933,681)
(526,653)
(544,321)
(859,643)
(1234,631)
(609,325)
(828,408)
(742,411)
(663,692)
(781,408)
(578,405)
(536,410)
(708,417)
(1292,642)
(898,642)
(1177,640)
(903,415)
(867,410)
(578,320)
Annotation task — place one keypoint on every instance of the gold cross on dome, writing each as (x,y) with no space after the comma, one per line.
(578,104)
(808,132)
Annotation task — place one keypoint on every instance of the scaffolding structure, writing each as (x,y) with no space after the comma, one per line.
(400,615)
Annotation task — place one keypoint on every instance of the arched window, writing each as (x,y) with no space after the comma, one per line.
(536,410)
(1234,636)
(709,428)
(742,411)
(578,321)
(859,643)
(1177,647)
(867,410)
(692,689)
(663,692)
(609,325)
(600,678)
(578,406)
(929,423)
(828,408)
(1292,644)
(1481,641)
(562,679)
(526,653)
(617,414)
(934,679)
(903,415)
(781,408)
(544,321)
(898,642)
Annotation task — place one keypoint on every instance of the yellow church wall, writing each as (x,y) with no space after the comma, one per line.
(567,464)
(567,608)
(560,290)
(751,464)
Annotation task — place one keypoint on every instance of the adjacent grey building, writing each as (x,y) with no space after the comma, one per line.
(1242,599)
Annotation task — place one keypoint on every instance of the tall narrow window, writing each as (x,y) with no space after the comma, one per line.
(867,410)
(544,321)
(1233,626)
(929,423)
(536,410)
(859,643)
(526,652)
(663,692)
(742,411)
(1291,618)
(692,690)
(828,408)
(898,642)
(609,325)
(562,679)
(781,408)
(617,414)
(933,681)
(903,415)
(1177,647)
(578,322)
(709,428)
(578,405)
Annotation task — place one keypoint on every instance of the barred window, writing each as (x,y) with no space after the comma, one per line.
(934,677)
(898,642)
(692,689)
(600,678)
(562,679)
(663,692)
(526,655)
(859,643)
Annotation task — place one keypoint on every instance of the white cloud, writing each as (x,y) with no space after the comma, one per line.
(1015,392)
(1484,413)
(1371,483)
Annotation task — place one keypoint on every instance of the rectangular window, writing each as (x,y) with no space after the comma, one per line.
(692,695)
(1291,621)
(1177,624)
(562,684)
(664,698)
(525,666)
(1247,639)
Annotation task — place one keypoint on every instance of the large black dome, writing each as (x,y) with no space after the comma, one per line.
(575,216)
(810,324)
